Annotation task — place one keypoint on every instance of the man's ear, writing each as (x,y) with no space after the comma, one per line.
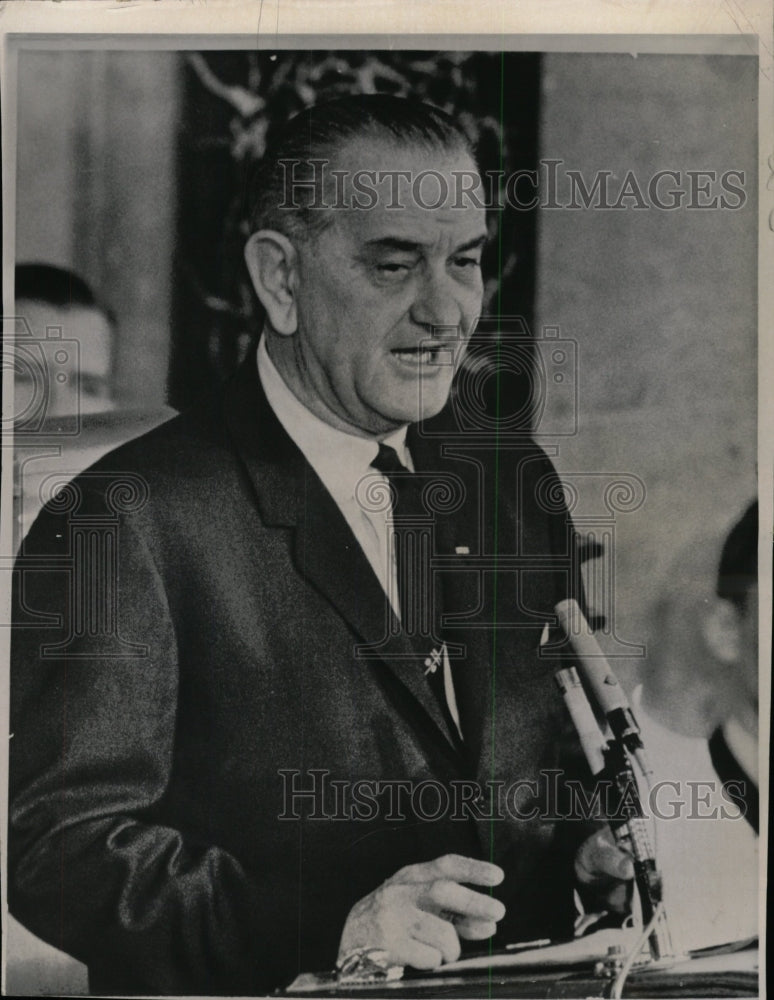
(271,262)
(720,626)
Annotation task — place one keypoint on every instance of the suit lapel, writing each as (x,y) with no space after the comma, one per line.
(290,494)
(330,558)
(458,538)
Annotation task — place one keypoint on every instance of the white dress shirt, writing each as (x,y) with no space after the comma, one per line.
(706,851)
(343,463)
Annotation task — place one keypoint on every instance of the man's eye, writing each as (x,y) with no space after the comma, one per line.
(467,262)
(393,272)
(392,267)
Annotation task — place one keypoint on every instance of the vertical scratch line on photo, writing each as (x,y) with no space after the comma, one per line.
(495,539)
(260,15)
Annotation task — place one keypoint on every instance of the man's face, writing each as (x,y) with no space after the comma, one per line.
(387,298)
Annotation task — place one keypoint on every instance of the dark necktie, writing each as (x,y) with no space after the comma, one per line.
(418,599)
(409,521)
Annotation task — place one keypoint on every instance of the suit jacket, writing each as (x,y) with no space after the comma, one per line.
(202,650)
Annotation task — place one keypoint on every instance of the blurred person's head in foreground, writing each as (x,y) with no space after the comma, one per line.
(702,666)
(56,304)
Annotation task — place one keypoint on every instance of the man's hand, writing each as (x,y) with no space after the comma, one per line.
(604,873)
(419,915)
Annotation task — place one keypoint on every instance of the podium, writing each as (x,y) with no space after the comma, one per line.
(718,973)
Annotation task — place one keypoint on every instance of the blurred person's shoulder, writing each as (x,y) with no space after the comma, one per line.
(166,473)
(167,449)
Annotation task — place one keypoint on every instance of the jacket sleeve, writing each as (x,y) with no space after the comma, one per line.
(92,734)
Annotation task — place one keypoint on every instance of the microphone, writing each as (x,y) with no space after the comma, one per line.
(595,670)
(592,740)
(609,754)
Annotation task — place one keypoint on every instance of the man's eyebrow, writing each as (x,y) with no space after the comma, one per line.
(394,243)
(414,246)
(473,244)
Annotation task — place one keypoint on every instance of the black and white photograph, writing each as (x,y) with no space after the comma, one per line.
(386,537)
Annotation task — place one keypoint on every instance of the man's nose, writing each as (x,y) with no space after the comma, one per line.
(437,304)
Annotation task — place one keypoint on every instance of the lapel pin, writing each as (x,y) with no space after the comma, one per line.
(432,661)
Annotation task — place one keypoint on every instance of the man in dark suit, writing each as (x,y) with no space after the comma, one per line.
(276,663)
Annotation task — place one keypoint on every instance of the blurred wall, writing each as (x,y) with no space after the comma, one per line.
(662,304)
(97,137)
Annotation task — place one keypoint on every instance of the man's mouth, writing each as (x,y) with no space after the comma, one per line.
(437,354)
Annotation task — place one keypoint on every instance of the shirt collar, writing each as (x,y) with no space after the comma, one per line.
(339,459)
(743,745)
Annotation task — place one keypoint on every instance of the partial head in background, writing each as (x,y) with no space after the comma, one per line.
(368,228)
(702,663)
(51,298)
(731,629)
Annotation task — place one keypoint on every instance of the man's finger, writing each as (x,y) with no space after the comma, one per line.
(455,898)
(458,868)
(600,858)
(455,867)
(437,933)
(617,900)
(416,954)
(472,929)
